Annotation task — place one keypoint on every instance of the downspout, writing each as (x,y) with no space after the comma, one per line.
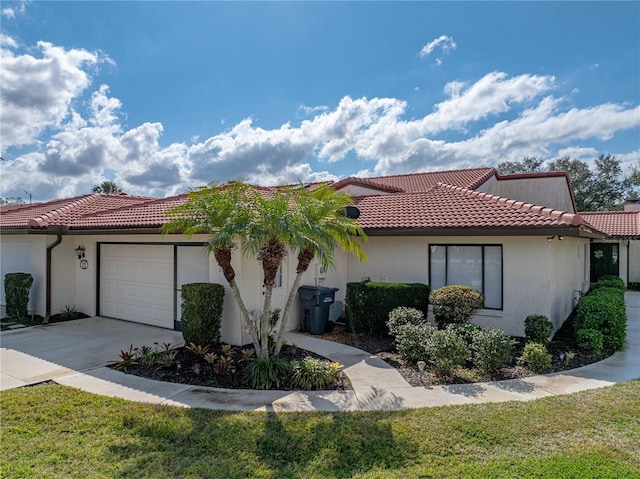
(48,277)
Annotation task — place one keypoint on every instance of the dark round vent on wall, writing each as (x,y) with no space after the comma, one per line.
(353,212)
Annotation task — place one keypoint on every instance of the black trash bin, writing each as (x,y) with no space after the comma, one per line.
(315,302)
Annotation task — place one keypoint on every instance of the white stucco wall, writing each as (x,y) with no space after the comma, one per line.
(539,277)
(552,192)
(634,261)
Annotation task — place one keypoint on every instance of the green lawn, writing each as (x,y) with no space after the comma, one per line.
(56,431)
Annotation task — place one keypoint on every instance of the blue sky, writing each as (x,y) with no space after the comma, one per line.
(165,96)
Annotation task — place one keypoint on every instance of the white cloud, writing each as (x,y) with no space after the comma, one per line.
(36,93)
(11,12)
(445,43)
(87,141)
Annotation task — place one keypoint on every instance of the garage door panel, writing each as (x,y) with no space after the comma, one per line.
(136,283)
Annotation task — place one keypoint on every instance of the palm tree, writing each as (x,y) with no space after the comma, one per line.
(268,223)
(106,187)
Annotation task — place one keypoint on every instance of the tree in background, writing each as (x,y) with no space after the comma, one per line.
(603,188)
(106,187)
(268,224)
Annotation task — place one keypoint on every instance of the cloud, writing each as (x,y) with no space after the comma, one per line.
(11,12)
(76,145)
(444,42)
(37,93)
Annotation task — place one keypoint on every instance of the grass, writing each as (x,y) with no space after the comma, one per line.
(56,431)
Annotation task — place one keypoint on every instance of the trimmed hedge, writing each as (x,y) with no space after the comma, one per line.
(610,282)
(16,293)
(202,313)
(369,303)
(603,310)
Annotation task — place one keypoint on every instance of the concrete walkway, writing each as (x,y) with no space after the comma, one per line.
(376,385)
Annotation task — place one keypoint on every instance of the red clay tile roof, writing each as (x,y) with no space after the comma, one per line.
(411,183)
(620,224)
(63,211)
(150,214)
(448,206)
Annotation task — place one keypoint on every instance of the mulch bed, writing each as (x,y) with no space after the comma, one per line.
(185,370)
(37,320)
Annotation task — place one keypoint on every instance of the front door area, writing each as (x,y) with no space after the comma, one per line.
(605,260)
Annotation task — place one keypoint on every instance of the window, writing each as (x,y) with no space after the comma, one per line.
(278,281)
(479,267)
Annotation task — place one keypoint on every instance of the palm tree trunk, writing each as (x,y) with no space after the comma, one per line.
(304,259)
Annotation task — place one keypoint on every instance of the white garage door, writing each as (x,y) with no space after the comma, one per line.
(136,283)
(15,257)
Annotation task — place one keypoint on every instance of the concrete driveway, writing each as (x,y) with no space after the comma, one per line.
(39,353)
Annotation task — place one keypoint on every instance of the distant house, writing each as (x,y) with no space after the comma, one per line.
(515,238)
(619,252)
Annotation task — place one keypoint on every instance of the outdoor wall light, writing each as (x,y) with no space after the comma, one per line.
(549,238)
(80,252)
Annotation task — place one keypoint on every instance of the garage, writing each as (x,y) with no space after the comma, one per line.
(15,258)
(137,283)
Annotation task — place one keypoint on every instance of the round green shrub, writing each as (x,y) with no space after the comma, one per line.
(403,315)
(466,331)
(446,350)
(202,313)
(312,373)
(610,282)
(411,341)
(604,310)
(536,357)
(590,341)
(538,328)
(491,349)
(455,304)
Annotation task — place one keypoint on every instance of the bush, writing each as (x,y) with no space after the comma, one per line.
(538,328)
(402,316)
(267,373)
(590,341)
(202,312)
(16,293)
(455,304)
(603,310)
(466,331)
(446,350)
(609,282)
(535,357)
(411,341)
(312,373)
(491,349)
(369,304)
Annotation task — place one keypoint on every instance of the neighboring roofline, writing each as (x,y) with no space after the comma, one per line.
(367,183)
(543,174)
(587,214)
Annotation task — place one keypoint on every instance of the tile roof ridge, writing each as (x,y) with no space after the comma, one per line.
(490,168)
(372,181)
(559,215)
(637,212)
(45,219)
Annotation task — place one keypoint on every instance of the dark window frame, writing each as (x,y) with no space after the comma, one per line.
(483,245)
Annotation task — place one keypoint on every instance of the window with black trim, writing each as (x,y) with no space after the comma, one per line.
(477,266)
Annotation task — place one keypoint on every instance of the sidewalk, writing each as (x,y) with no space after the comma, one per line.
(376,385)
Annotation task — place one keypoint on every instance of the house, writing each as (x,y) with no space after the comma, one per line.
(516,238)
(619,253)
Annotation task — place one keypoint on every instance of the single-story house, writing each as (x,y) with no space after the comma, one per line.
(516,238)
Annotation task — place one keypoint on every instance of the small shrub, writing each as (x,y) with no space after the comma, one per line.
(127,359)
(369,304)
(535,357)
(590,341)
(202,312)
(267,373)
(196,349)
(491,349)
(538,328)
(222,367)
(312,373)
(455,304)
(446,350)
(609,281)
(603,309)
(16,293)
(466,331)
(411,341)
(401,316)
(69,312)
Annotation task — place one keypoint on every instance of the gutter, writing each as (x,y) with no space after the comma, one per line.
(48,276)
